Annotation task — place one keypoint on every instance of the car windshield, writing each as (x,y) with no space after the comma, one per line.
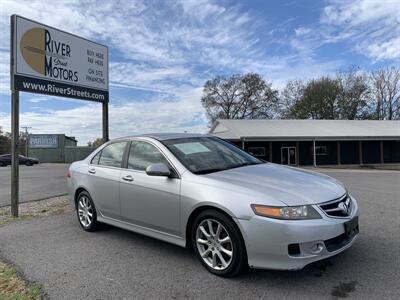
(204,155)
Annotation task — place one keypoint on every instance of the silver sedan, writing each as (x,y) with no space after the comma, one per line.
(201,192)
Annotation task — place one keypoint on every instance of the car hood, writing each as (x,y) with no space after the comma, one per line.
(292,186)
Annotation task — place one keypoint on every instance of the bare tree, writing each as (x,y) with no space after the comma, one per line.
(289,97)
(353,102)
(245,96)
(386,91)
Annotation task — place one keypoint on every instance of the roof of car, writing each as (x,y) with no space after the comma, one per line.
(168,136)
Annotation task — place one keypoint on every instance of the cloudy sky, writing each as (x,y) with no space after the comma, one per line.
(162,52)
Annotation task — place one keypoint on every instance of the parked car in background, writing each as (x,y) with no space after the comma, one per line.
(231,208)
(5,160)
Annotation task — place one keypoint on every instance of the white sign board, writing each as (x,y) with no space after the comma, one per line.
(50,61)
(43,141)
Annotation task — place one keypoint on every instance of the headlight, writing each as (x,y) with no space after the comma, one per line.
(302,212)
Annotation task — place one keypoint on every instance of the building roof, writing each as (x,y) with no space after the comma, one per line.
(306,129)
(72,138)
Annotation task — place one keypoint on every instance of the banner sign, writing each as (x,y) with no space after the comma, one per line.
(43,141)
(49,61)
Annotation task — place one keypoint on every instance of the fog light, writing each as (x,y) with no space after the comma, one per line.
(317,248)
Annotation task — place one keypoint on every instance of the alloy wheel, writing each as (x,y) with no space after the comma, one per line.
(85,211)
(214,244)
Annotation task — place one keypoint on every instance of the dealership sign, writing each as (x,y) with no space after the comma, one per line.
(43,141)
(49,61)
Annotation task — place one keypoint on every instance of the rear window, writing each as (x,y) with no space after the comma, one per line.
(112,155)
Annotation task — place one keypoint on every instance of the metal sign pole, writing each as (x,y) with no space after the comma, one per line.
(14,152)
(105,122)
(14,129)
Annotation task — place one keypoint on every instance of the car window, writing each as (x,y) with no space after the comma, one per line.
(112,155)
(142,154)
(207,154)
(95,159)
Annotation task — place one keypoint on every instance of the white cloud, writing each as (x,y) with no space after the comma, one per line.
(170,48)
(302,31)
(4,72)
(372,28)
(129,118)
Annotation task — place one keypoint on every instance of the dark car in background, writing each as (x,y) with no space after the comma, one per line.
(5,160)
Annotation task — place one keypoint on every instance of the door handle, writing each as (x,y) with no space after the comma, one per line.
(127,178)
(92,171)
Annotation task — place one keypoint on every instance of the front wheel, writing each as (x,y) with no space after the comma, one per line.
(86,212)
(218,244)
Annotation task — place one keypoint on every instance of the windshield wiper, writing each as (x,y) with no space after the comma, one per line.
(245,164)
(207,171)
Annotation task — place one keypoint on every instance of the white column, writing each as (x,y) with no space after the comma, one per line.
(314,155)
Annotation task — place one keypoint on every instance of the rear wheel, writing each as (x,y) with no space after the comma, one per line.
(86,212)
(218,244)
(28,163)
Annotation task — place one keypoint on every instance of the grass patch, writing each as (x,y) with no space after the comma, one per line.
(41,208)
(13,287)
(9,219)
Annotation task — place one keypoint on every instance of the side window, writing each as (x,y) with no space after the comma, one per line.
(112,155)
(95,159)
(142,154)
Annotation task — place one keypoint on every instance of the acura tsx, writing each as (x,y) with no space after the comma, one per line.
(204,193)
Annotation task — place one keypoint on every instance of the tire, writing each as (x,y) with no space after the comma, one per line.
(217,245)
(28,163)
(85,207)
(2,164)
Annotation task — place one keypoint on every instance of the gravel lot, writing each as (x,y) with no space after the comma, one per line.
(113,263)
(36,182)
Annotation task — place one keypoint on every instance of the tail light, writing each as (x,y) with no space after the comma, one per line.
(69,173)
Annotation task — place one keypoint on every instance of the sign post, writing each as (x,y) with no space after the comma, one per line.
(50,61)
(105,122)
(14,152)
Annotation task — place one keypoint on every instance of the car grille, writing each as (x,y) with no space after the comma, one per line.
(339,208)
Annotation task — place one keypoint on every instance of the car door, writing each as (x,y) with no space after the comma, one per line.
(104,175)
(149,201)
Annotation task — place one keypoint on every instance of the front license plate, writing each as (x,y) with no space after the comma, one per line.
(351,227)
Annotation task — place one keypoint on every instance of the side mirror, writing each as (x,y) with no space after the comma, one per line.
(158,169)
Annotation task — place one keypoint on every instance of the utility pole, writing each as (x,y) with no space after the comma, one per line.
(26,138)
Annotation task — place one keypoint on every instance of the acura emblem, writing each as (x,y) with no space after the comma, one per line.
(345,207)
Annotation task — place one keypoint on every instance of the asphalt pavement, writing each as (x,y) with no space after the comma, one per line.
(36,182)
(117,264)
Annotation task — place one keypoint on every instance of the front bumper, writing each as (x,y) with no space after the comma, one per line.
(267,240)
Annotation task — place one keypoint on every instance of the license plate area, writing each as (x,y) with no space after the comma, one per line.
(351,227)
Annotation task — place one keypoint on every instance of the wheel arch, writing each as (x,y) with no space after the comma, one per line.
(196,211)
(77,192)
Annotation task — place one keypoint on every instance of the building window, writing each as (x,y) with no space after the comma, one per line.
(256,151)
(321,150)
